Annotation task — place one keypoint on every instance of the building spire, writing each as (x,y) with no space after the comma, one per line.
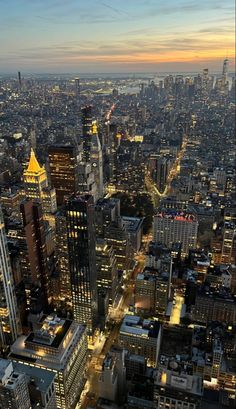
(33,165)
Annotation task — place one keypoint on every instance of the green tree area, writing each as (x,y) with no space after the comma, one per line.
(139,205)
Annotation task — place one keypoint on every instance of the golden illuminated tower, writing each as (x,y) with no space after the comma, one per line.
(36,187)
(35,178)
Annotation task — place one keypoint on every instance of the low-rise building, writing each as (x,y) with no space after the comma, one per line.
(141,336)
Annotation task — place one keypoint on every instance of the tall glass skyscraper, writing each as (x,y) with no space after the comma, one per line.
(9,320)
(82,259)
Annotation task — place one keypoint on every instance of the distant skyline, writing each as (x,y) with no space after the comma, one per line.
(43,36)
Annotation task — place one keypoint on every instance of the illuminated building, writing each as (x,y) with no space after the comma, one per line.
(36,186)
(107,274)
(35,178)
(86,180)
(214,305)
(176,386)
(152,289)
(60,346)
(82,259)
(86,113)
(116,236)
(176,227)
(14,391)
(63,171)
(62,256)
(108,379)
(9,321)
(229,235)
(141,336)
(97,160)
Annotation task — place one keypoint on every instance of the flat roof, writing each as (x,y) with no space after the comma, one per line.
(135,325)
(41,377)
(132,223)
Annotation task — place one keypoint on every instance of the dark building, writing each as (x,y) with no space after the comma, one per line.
(63,171)
(86,115)
(82,259)
(37,271)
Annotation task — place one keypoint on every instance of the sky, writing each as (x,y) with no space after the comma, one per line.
(92,36)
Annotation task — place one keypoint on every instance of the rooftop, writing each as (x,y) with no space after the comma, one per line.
(132,224)
(41,378)
(135,325)
(34,166)
(178,215)
(51,333)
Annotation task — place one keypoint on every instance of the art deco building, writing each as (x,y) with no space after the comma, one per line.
(82,259)
(35,178)
(59,346)
(36,186)
(9,320)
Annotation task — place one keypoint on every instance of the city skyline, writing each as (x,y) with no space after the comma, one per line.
(98,37)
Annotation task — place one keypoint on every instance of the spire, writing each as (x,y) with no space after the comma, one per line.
(33,165)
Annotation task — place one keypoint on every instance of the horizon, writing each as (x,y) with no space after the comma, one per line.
(134,36)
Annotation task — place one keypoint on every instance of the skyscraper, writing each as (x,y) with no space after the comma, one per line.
(87,130)
(9,321)
(62,256)
(35,178)
(36,185)
(63,171)
(77,87)
(34,233)
(96,159)
(82,259)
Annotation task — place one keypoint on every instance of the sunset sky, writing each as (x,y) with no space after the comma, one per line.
(81,36)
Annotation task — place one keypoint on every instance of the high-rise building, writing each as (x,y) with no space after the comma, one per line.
(9,320)
(106,211)
(172,226)
(97,159)
(19,79)
(14,391)
(36,273)
(35,178)
(229,235)
(63,171)
(87,130)
(225,71)
(36,186)
(77,87)
(59,346)
(82,259)
(152,289)
(62,257)
(107,274)
(25,387)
